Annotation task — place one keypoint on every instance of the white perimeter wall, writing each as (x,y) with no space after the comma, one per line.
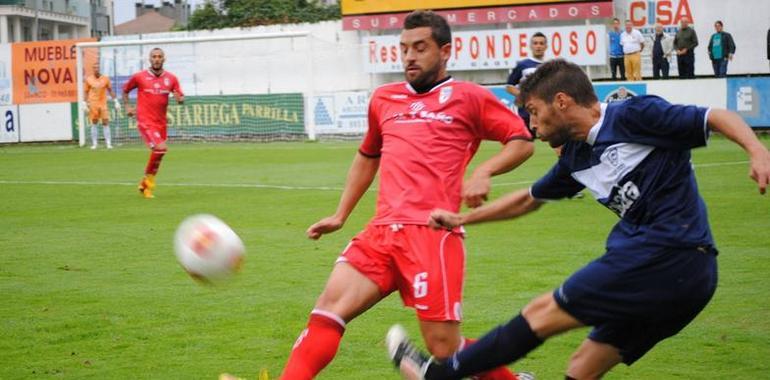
(45,122)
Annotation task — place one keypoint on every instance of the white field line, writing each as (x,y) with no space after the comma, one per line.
(262,186)
(178,184)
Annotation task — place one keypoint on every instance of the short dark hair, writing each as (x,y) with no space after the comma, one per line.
(616,19)
(440,30)
(540,34)
(719,22)
(157,48)
(556,76)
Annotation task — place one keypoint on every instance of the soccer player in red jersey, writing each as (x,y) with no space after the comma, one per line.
(422,134)
(153,88)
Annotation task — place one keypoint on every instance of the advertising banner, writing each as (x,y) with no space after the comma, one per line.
(497,49)
(44,71)
(281,114)
(746,21)
(9,124)
(341,113)
(6,91)
(481,16)
(750,98)
(616,92)
(351,7)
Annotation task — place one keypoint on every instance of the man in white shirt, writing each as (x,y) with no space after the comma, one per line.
(633,43)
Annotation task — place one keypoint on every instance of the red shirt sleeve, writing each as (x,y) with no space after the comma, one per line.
(498,122)
(130,85)
(372,144)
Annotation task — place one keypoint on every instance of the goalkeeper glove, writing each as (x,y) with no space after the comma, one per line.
(84,106)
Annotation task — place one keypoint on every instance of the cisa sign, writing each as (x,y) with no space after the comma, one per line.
(667,12)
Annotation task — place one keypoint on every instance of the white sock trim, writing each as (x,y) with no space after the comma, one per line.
(330,315)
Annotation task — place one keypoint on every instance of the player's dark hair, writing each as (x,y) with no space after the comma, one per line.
(157,48)
(557,76)
(440,30)
(719,22)
(616,19)
(540,34)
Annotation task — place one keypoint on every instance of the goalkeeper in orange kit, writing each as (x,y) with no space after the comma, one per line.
(96,88)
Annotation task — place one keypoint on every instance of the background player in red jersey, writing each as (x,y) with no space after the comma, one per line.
(422,134)
(153,88)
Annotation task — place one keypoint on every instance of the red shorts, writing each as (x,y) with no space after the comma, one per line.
(152,135)
(426,266)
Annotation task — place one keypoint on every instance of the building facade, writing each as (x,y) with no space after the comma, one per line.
(37,20)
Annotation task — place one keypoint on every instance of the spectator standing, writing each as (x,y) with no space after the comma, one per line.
(721,49)
(616,52)
(685,42)
(662,47)
(633,43)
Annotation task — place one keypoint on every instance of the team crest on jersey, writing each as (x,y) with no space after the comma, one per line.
(166,82)
(444,94)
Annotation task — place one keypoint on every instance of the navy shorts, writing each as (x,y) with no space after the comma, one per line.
(636,299)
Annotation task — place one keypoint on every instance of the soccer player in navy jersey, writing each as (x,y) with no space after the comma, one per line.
(659,270)
(538,44)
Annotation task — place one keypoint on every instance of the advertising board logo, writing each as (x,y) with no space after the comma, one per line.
(667,12)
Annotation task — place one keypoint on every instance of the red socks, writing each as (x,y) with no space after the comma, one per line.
(152,165)
(316,346)
(499,373)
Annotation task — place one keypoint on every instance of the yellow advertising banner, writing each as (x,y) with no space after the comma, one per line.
(44,71)
(355,7)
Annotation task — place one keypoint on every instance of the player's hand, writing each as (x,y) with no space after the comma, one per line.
(324,226)
(117,105)
(130,111)
(760,170)
(84,106)
(444,219)
(476,190)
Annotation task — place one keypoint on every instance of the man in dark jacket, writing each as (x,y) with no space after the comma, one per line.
(721,49)
(685,42)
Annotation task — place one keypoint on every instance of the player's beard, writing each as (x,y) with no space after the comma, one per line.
(559,138)
(425,79)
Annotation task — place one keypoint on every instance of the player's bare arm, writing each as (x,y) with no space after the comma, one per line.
(360,177)
(510,206)
(477,187)
(735,128)
(130,110)
(179,97)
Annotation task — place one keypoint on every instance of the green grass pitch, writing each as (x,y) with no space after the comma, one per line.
(90,288)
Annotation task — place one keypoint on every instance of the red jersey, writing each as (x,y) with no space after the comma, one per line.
(152,96)
(425,142)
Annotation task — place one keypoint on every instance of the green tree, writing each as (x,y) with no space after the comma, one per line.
(217,14)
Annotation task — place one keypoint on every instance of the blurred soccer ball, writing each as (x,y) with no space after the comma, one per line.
(208,249)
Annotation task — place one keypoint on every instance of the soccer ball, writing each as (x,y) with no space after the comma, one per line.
(208,249)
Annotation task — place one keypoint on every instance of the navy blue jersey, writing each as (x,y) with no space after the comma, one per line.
(523,69)
(636,162)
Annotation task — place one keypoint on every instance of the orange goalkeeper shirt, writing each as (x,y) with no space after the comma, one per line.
(96,90)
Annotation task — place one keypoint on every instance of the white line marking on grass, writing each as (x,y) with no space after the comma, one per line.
(179,184)
(720,164)
(263,186)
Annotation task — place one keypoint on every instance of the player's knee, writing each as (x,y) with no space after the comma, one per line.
(538,307)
